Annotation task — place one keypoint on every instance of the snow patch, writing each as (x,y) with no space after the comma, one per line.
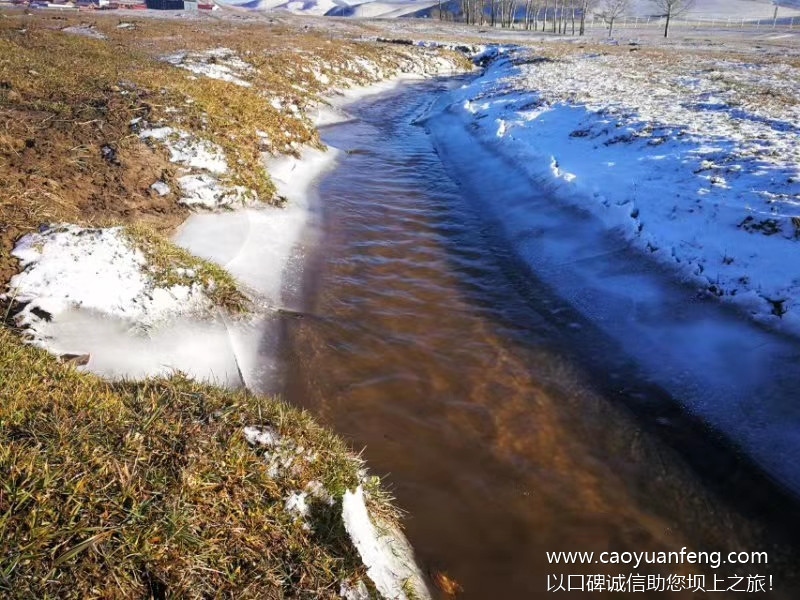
(296,504)
(205,160)
(160,188)
(354,591)
(387,555)
(261,436)
(218,63)
(188,151)
(283,456)
(85,31)
(99,270)
(91,291)
(206,191)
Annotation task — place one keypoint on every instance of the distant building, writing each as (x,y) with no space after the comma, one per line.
(165,4)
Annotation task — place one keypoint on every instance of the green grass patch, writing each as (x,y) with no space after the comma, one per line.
(172,265)
(134,490)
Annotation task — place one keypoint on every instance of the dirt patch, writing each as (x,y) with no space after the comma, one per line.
(55,170)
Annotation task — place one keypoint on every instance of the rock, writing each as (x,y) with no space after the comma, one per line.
(109,154)
(79,360)
(160,188)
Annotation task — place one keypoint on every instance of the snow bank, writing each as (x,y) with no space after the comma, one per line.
(533,183)
(695,161)
(387,555)
(94,269)
(92,292)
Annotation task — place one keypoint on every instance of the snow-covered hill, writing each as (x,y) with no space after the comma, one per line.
(741,9)
(703,9)
(342,8)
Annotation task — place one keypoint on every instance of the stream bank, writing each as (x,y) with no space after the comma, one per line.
(498,405)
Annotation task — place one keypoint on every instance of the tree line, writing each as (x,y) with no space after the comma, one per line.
(557,16)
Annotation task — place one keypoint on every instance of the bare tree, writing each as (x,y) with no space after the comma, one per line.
(508,11)
(672,8)
(572,8)
(544,17)
(473,11)
(467,7)
(536,17)
(611,10)
(586,6)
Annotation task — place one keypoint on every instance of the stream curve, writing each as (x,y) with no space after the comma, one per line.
(510,414)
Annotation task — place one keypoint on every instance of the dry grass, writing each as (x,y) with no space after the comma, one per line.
(135,490)
(63,97)
(132,490)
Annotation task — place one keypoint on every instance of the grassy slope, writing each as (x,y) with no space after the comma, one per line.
(149,489)
(64,96)
(130,489)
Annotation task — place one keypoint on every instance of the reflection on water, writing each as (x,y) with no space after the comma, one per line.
(424,343)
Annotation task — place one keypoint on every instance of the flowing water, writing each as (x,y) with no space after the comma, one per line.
(506,424)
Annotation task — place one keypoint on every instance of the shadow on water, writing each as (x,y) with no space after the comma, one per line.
(508,423)
(535,307)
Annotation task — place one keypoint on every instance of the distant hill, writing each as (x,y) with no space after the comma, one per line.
(342,8)
(703,9)
(742,9)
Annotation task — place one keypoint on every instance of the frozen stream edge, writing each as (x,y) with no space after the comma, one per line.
(739,377)
(243,241)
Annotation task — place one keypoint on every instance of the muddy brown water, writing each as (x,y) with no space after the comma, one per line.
(422,341)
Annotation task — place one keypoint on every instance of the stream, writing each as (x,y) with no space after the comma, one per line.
(514,410)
